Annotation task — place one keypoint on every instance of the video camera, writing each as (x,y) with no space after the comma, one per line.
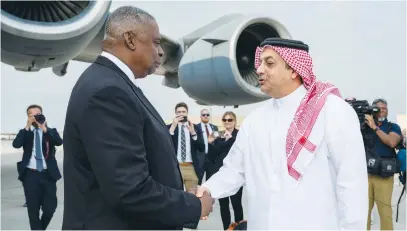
(362,108)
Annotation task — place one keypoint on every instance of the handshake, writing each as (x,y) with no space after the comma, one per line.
(206,200)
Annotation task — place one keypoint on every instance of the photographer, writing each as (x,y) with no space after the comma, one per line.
(187,144)
(382,163)
(38,169)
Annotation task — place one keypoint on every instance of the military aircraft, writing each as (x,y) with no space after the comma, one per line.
(214,64)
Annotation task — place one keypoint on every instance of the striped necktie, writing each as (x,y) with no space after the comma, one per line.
(183,144)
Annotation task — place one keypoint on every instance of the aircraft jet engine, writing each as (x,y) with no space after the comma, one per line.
(214,65)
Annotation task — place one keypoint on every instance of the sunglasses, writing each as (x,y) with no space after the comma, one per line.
(205,115)
(228,120)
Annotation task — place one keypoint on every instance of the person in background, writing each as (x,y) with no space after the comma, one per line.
(386,136)
(219,146)
(206,129)
(38,170)
(187,143)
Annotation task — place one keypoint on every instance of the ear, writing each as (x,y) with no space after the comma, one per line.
(294,74)
(129,40)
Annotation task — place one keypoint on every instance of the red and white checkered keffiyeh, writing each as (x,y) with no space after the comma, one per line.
(307,113)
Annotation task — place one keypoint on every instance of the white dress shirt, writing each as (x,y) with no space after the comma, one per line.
(32,164)
(187,143)
(205,136)
(332,193)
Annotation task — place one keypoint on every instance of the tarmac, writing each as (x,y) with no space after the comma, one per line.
(14,216)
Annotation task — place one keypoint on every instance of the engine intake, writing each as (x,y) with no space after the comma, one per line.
(218,68)
(42,34)
(249,39)
(45,11)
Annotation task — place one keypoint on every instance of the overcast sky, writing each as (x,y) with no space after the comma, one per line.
(358,46)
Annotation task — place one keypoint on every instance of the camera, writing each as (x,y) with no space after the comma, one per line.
(40,118)
(217,134)
(363,108)
(185,119)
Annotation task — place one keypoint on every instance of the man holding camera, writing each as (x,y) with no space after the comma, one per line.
(382,163)
(38,170)
(187,145)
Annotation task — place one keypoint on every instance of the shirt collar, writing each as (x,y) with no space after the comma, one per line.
(291,100)
(32,128)
(120,64)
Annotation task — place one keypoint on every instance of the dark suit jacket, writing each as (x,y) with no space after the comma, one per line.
(120,167)
(199,129)
(219,149)
(50,139)
(196,147)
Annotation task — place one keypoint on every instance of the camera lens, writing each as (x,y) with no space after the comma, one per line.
(40,118)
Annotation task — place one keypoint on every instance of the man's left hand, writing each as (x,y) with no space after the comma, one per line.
(190,127)
(370,122)
(43,127)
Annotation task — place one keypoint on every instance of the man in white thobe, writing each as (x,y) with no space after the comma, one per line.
(301,155)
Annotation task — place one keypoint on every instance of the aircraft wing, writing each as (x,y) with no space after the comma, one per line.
(214,64)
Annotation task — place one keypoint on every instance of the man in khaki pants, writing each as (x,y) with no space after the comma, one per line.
(187,144)
(386,136)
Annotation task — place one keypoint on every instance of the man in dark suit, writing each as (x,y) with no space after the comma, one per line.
(187,144)
(206,129)
(120,167)
(38,170)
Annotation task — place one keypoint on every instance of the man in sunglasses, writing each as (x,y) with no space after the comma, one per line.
(206,129)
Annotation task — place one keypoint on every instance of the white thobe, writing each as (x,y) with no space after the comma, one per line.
(332,194)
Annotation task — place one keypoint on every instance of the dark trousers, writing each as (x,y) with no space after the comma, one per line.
(237,208)
(204,162)
(41,193)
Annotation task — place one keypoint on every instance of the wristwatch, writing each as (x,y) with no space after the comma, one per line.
(377,129)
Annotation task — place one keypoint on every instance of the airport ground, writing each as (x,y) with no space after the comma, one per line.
(14,216)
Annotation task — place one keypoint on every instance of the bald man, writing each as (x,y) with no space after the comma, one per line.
(120,166)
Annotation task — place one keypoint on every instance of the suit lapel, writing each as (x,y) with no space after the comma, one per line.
(137,91)
(176,137)
(30,140)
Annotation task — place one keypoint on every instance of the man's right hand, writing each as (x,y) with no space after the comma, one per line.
(206,204)
(206,200)
(30,121)
(176,120)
